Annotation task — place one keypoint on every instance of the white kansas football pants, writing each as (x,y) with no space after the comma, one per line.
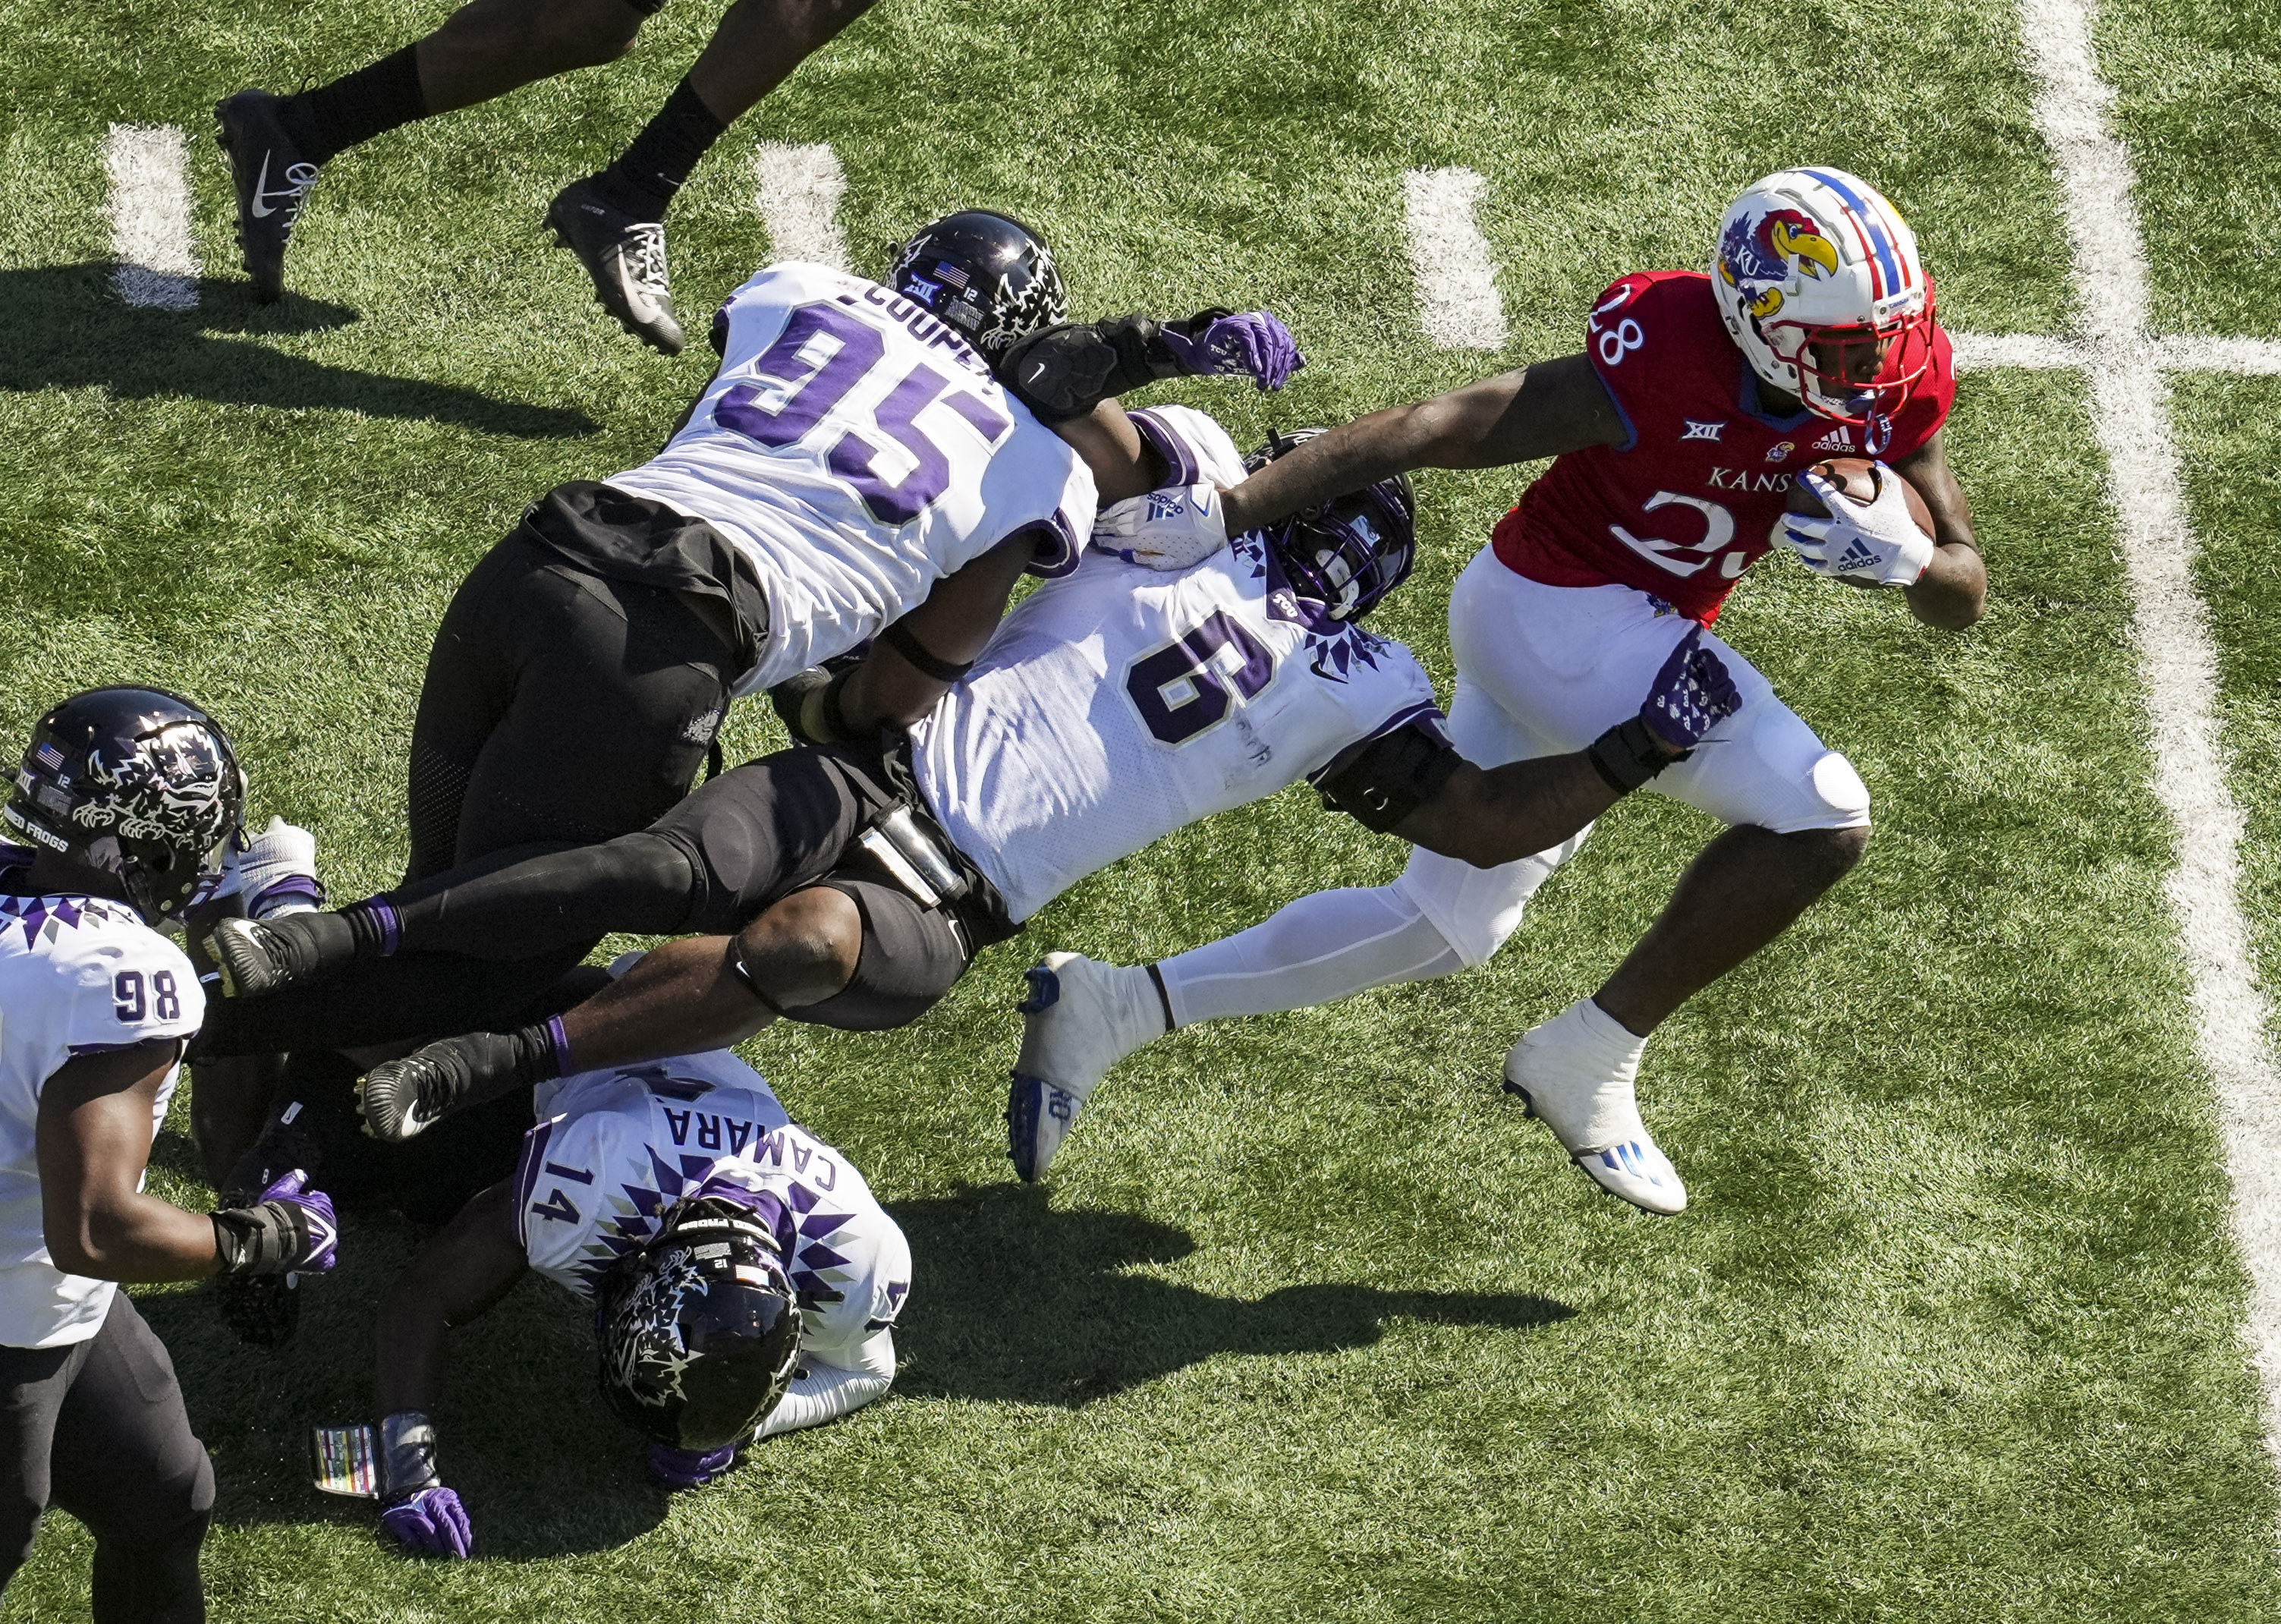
(1542,671)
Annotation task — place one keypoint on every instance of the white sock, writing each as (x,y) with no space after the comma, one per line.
(1580,1068)
(1318,950)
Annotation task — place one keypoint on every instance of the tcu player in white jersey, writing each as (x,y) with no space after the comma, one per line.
(850,885)
(127,798)
(854,466)
(1676,437)
(638,1183)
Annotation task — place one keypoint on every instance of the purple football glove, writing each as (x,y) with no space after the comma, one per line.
(431,1523)
(690,1468)
(1252,342)
(318,1246)
(1691,695)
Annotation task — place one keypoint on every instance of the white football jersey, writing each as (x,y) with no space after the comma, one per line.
(855,450)
(620,1146)
(1118,704)
(78,976)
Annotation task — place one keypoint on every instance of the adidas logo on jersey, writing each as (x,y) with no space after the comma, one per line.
(1836,439)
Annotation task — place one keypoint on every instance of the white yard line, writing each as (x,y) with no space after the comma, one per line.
(800,192)
(150,216)
(2129,399)
(1458,302)
(1979,351)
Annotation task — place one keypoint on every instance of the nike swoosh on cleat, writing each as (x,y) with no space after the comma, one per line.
(261,188)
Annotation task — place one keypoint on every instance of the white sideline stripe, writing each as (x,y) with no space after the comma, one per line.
(2130,399)
(1457,301)
(148,166)
(1979,351)
(800,192)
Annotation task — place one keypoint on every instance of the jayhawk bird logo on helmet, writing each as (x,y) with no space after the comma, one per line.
(1817,280)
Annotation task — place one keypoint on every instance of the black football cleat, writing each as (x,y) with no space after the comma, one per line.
(256,957)
(401,1099)
(626,258)
(272,180)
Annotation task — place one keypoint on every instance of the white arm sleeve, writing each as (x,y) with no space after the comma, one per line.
(824,1392)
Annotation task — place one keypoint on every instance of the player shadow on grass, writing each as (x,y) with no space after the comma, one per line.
(1012,1300)
(546,1470)
(63,327)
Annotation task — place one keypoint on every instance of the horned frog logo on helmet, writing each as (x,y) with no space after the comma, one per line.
(171,788)
(1761,251)
(649,1367)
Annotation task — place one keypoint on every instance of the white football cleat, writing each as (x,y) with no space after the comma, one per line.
(1080,1018)
(1575,1074)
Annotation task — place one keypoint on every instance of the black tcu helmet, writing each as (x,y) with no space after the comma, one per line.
(700,1329)
(136,782)
(988,275)
(1354,549)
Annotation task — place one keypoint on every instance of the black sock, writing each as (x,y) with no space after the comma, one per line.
(648,173)
(336,117)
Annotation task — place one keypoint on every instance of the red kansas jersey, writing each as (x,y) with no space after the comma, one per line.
(1691,500)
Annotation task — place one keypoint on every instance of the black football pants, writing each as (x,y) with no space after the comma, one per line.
(98,1428)
(560,708)
(710,866)
(559,705)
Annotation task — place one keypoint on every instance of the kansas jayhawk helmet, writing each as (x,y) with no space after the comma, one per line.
(1817,278)
(134,782)
(1354,549)
(699,1330)
(988,275)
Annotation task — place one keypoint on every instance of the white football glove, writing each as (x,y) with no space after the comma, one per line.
(1878,544)
(1174,529)
(276,873)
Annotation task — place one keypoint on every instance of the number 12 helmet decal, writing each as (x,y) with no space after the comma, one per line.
(987,274)
(134,782)
(1817,278)
(1354,549)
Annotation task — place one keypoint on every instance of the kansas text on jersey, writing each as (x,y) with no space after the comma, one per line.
(1690,501)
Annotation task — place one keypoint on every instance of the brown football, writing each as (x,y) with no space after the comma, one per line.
(1857,477)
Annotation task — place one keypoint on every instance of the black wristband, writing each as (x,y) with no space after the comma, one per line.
(906,643)
(1627,755)
(1161,358)
(267,1239)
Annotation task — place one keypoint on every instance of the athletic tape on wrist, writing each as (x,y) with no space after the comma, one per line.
(407,1454)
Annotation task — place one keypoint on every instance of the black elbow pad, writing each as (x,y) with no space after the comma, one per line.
(1064,372)
(1390,777)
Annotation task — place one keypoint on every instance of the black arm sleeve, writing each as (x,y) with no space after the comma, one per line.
(1064,372)
(1389,777)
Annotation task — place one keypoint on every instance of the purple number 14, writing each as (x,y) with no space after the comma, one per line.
(817,389)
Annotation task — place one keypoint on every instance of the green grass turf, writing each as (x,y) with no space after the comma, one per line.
(1310,1323)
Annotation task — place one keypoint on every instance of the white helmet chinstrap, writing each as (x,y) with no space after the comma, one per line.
(1817,278)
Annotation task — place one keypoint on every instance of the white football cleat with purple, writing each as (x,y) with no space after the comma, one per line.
(1080,1018)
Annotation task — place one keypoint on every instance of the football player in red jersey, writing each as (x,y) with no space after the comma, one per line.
(1675,435)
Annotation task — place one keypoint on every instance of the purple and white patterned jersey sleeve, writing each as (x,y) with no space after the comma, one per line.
(1195,448)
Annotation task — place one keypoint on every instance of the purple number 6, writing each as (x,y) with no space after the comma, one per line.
(1187,660)
(816,390)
